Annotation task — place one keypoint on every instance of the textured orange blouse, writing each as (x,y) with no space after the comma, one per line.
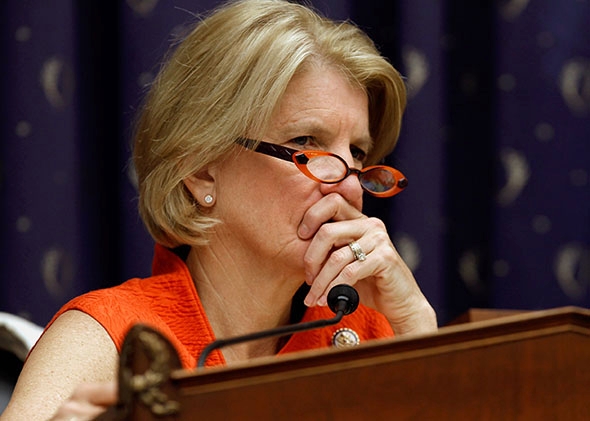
(168,301)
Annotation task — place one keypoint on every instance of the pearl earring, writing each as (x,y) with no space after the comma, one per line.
(208,199)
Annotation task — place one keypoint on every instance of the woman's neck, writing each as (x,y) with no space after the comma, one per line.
(238,301)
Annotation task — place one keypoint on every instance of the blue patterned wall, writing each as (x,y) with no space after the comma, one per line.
(496,144)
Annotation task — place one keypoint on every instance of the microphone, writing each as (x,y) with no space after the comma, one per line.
(342,300)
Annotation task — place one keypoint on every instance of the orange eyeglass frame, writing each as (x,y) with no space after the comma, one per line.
(301,158)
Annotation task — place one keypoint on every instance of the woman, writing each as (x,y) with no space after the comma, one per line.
(237,217)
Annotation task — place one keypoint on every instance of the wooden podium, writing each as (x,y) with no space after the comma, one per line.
(533,365)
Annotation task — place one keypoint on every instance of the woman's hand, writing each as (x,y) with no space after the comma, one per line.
(383,280)
(87,402)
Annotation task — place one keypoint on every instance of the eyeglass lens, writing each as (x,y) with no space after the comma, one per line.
(327,168)
(330,169)
(377,180)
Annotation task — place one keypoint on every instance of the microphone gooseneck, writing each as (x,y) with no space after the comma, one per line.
(342,300)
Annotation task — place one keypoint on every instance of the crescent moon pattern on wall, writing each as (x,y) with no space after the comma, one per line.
(142,7)
(574,83)
(417,69)
(512,9)
(572,270)
(469,268)
(409,250)
(517,172)
(57,81)
(57,271)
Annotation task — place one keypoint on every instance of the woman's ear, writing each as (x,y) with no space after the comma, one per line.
(201,185)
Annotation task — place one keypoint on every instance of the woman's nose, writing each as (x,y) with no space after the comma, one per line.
(349,188)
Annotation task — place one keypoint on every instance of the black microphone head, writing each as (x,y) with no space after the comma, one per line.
(343,298)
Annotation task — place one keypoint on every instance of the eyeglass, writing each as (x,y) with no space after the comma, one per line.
(329,168)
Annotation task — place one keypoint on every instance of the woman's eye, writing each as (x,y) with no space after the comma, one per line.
(358,154)
(302,140)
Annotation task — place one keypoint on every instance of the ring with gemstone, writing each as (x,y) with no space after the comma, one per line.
(357,251)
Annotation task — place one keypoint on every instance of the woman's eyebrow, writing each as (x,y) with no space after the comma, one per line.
(316,128)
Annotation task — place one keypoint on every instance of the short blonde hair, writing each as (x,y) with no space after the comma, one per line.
(224,80)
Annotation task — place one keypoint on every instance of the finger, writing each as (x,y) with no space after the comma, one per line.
(88,401)
(341,267)
(330,237)
(77,410)
(335,235)
(103,394)
(331,207)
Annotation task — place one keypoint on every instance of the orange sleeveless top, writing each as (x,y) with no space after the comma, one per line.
(168,301)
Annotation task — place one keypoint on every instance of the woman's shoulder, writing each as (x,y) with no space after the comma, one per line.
(75,349)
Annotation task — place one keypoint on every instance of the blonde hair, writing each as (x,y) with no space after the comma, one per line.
(224,80)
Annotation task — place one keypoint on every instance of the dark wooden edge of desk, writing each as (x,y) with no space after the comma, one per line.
(150,369)
(488,328)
